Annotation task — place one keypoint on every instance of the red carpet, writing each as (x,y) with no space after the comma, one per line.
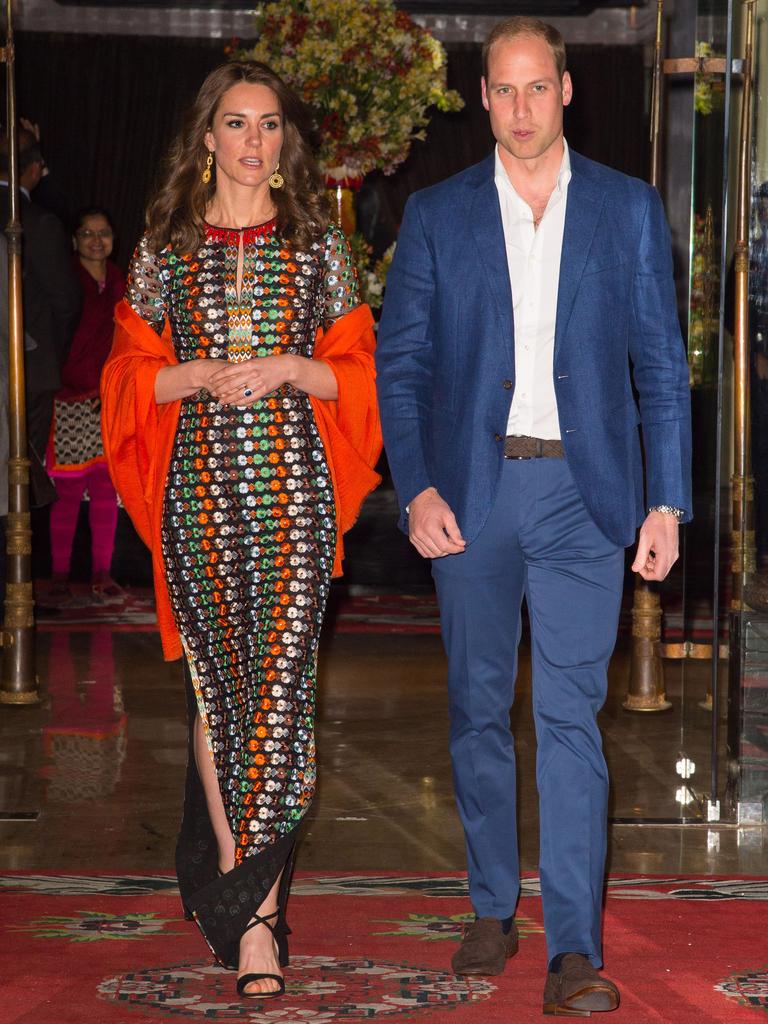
(114,950)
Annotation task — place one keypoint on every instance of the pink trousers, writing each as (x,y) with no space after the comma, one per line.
(102,517)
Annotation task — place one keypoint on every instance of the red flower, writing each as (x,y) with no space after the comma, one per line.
(298,30)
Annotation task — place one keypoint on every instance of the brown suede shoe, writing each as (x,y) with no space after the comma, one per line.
(484,947)
(577,990)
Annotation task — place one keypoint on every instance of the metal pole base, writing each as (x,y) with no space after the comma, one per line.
(18,685)
(27,697)
(18,678)
(662,704)
(646,671)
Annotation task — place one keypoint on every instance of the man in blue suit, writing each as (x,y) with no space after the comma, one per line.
(526,296)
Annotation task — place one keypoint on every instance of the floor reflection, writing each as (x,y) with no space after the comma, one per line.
(102,759)
(85,739)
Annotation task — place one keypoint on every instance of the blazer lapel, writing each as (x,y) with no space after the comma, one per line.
(584,205)
(485,218)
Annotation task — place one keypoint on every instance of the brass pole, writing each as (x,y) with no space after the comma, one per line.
(18,682)
(742,482)
(646,669)
(656,91)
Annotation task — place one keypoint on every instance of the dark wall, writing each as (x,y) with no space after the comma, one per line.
(109,105)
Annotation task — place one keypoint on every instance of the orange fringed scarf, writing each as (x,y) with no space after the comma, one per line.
(138,433)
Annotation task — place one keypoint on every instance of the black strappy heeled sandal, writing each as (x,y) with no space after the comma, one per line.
(246,979)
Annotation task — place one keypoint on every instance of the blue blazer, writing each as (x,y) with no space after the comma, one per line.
(446,350)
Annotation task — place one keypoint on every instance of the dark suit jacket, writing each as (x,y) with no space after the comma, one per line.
(50,196)
(446,349)
(51,293)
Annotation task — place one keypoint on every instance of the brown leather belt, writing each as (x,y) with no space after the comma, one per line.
(519,447)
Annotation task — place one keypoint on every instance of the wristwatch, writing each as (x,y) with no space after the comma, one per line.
(669,510)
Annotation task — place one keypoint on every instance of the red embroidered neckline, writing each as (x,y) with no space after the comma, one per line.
(249,234)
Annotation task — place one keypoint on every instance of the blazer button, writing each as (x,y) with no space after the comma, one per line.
(507,385)
(497,437)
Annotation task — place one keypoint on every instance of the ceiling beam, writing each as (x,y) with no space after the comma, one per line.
(609,24)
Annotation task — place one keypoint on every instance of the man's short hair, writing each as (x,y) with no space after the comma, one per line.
(28,152)
(520,25)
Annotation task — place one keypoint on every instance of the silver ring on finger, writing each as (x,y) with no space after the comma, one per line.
(247,392)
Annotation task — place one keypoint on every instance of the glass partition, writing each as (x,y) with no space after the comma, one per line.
(687,778)
(747,734)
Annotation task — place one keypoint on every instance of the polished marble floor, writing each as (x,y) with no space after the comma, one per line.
(100,764)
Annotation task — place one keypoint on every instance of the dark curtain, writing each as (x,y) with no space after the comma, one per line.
(108,106)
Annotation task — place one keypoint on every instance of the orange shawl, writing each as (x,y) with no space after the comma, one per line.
(139,434)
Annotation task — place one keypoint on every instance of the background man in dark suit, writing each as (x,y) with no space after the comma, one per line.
(520,291)
(51,295)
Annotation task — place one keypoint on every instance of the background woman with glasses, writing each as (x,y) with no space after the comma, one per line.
(75,453)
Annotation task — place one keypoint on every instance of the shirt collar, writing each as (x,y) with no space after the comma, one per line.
(563,176)
(21,188)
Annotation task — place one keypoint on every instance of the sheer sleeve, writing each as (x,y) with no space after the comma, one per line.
(145,290)
(341,291)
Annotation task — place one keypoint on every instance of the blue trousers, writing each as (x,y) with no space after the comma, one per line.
(539,543)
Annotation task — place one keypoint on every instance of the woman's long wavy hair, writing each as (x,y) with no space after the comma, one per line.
(176,213)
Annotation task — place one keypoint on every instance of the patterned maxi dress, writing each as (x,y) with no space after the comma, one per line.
(248,540)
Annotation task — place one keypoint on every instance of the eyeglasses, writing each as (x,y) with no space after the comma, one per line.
(87,233)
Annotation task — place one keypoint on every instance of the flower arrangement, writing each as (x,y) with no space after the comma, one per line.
(367,72)
(372,278)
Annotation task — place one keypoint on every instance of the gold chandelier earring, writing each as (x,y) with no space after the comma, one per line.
(205,177)
(276,180)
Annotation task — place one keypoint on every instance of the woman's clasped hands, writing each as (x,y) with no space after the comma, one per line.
(244,383)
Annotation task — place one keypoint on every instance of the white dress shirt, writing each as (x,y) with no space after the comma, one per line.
(533,258)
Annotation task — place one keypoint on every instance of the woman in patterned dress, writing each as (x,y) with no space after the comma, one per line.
(75,456)
(268,443)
